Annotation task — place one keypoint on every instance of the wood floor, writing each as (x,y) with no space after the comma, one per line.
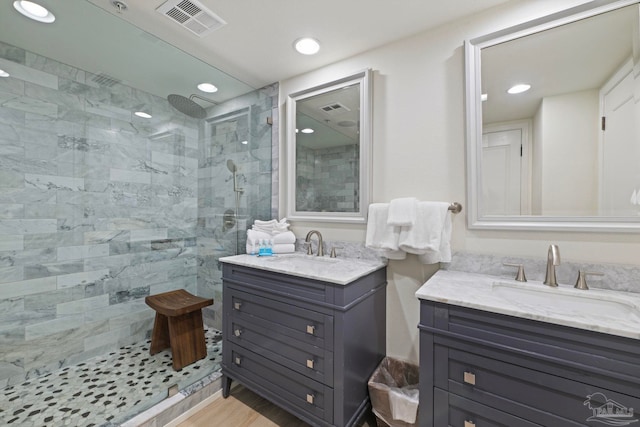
(244,408)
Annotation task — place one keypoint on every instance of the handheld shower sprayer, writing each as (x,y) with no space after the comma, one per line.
(234,170)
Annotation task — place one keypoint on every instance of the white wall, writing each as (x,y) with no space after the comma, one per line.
(536,164)
(419,150)
(570,136)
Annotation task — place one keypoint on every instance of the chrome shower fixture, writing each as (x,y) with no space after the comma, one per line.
(188,106)
(234,170)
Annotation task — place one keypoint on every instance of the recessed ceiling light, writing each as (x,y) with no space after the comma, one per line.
(34,11)
(519,88)
(207,87)
(244,142)
(307,130)
(3,73)
(143,114)
(484,97)
(307,46)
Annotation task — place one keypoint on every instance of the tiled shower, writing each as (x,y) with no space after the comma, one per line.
(100,208)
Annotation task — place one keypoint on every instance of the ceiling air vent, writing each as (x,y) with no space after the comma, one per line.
(334,108)
(192,15)
(105,80)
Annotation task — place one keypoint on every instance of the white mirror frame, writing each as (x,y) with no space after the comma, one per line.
(363,78)
(474,131)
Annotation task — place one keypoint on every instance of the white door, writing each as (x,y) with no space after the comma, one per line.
(619,152)
(504,172)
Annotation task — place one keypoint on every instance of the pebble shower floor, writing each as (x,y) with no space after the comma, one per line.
(105,390)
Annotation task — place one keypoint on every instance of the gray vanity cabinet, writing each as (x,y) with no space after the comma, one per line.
(484,369)
(308,346)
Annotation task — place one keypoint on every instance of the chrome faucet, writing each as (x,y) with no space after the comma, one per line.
(308,240)
(553,259)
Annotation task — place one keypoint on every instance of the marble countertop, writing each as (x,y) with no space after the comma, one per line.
(334,270)
(607,311)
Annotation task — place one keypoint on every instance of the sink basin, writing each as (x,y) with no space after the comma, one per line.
(567,301)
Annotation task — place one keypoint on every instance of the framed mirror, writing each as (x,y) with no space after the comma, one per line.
(564,154)
(328,151)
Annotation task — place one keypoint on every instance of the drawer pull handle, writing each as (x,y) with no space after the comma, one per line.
(310,363)
(469,378)
(238,360)
(237,332)
(469,424)
(237,305)
(311,330)
(310,398)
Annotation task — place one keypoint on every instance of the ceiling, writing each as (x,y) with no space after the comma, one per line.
(253,49)
(333,116)
(256,43)
(579,56)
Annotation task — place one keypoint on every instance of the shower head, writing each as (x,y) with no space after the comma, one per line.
(232,166)
(188,106)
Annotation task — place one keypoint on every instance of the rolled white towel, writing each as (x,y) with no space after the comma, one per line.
(284,248)
(286,237)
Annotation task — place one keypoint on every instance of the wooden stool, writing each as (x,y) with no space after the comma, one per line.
(178,325)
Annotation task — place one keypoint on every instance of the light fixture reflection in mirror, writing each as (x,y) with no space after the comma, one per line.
(540,159)
(328,151)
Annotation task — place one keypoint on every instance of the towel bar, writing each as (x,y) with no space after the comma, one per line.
(455,207)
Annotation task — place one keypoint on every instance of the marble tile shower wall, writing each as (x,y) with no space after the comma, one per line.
(238,132)
(98,208)
(321,171)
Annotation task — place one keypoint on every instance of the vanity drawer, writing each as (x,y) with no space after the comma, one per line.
(604,360)
(467,413)
(306,359)
(533,395)
(279,384)
(300,324)
(262,281)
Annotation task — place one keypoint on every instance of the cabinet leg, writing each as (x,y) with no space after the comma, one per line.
(226,386)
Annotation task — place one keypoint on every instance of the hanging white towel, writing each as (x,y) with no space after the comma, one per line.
(430,236)
(380,236)
(402,212)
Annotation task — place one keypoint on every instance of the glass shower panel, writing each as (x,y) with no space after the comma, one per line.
(234,184)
